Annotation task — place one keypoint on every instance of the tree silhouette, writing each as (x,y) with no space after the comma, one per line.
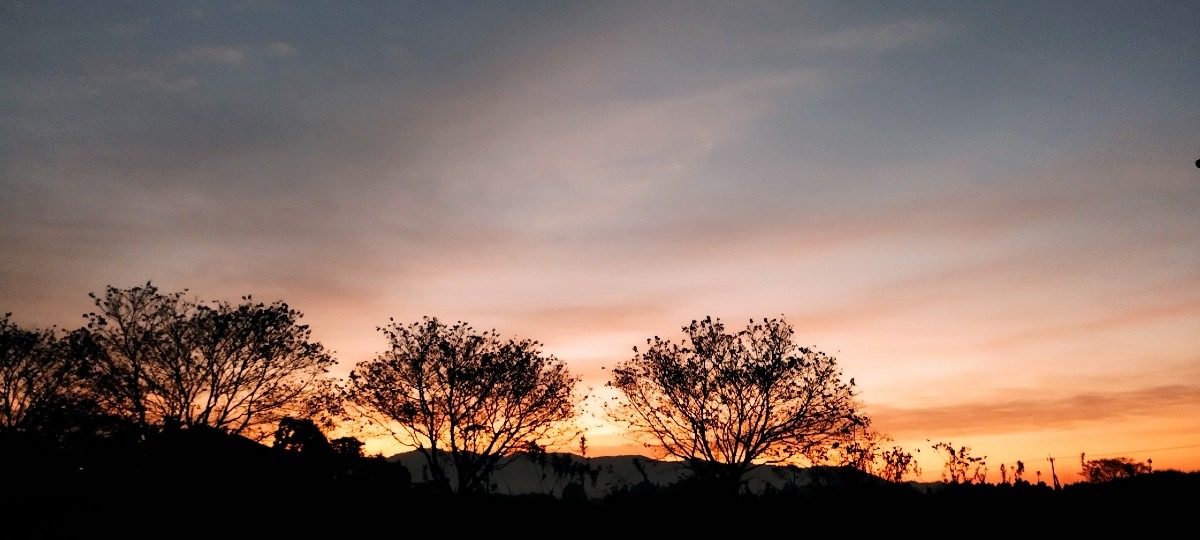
(34,374)
(468,397)
(347,447)
(1109,469)
(725,402)
(165,361)
(301,436)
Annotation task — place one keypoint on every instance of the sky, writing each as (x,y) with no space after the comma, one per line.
(987,212)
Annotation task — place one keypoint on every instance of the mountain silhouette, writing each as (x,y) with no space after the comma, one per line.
(546,474)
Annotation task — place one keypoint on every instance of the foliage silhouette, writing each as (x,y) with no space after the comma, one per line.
(866,452)
(572,471)
(1015,474)
(1109,469)
(339,462)
(464,400)
(727,402)
(301,436)
(960,466)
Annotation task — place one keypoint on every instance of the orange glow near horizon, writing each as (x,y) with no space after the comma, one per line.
(1169,443)
(603,443)
(919,407)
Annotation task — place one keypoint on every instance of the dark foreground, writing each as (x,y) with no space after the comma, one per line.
(185,489)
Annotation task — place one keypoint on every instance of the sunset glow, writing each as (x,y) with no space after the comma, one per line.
(989,213)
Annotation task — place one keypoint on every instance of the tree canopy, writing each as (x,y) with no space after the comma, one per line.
(1109,469)
(446,389)
(164,360)
(725,402)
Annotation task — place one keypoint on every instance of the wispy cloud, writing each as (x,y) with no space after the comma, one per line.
(880,38)
(995,414)
(279,48)
(230,55)
(578,164)
(214,54)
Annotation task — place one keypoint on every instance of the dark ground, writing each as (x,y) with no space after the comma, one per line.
(202,486)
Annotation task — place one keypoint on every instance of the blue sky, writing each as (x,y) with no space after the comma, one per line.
(988,212)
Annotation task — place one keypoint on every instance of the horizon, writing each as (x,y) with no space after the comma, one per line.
(988,214)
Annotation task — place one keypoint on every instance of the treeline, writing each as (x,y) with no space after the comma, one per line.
(156,385)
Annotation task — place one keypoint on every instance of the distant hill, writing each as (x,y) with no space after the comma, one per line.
(524,474)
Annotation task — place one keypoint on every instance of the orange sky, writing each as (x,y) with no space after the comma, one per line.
(990,214)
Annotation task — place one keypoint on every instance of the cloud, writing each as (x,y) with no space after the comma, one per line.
(279,48)
(1090,324)
(214,54)
(880,38)
(160,79)
(580,165)
(1034,414)
(240,55)
(126,29)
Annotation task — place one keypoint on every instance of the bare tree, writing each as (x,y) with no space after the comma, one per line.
(123,340)
(34,373)
(166,361)
(470,397)
(259,366)
(726,403)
